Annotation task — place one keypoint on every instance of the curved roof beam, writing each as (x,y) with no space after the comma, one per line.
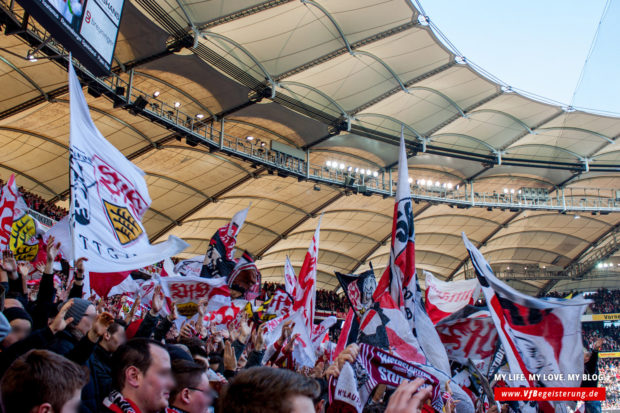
(163,215)
(341,231)
(361,211)
(556,214)
(359,158)
(605,153)
(283,84)
(111,116)
(463,136)
(228,220)
(380,61)
(416,220)
(452,257)
(264,129)
(542,145)
(331,19)
(540,231)
(588,131)
(390,118)
(245,51)
(508,115)
(442,95)
(176,181)
(443,234)
(194,149)
(176,88)
(30,178)
(306,249)
(293,207)
(422,168)
(526,178)
(34,135)
(24,75)
(525,248)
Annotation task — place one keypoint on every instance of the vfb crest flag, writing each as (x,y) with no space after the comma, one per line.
(108,199)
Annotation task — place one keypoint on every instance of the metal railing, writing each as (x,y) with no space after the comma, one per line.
(212,133)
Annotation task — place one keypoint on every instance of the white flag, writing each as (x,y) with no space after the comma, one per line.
(542,338)
(108,199)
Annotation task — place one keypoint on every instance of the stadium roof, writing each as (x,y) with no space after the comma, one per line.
(340,80)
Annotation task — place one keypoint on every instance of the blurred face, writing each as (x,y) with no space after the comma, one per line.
(199,397)
(301,404)
(86,323)
(20,329)
(156,383)
(73,405)
(111,342)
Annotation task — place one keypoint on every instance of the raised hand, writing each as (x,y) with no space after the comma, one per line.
(244,328)
(79,267)
(408,397)
(349,354)
(100,326)
(59,323)
(174,313)
(287,329)
(51,252)
(157,302)
(258,339)
(8,261)
(230,361)
(52,249)
(24,268)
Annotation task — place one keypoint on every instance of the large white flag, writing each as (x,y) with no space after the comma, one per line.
(542,338)
(108,199)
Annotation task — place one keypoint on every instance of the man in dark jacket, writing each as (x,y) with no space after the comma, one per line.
(590,368)
(99,365)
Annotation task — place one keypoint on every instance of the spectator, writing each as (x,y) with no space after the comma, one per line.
(191,393)
(141,377)
(42,381)
(269,390)
(21,324)
(99,364)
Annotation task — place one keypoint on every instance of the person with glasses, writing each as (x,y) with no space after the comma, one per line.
(192,393)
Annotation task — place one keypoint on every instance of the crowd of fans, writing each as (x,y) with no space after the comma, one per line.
(605,301)
(61,353)
(40,205)
(609,372)
(593,331)
(325,300)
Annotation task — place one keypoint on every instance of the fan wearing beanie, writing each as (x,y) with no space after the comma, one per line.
(79,339)
(20,326)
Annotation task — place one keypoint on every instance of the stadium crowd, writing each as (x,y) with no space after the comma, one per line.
(609,371)
(592,331)
(325,300)
(40,205)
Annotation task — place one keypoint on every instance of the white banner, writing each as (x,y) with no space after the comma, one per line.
(108,199)
(445,298)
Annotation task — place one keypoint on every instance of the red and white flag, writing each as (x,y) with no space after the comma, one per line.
(469,334)
(307,282)
(445,298)
(290,279)
(400,282)
(109,198)
(7,210)
(542,338)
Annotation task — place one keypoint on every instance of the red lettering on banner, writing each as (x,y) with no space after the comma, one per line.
(119,186)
